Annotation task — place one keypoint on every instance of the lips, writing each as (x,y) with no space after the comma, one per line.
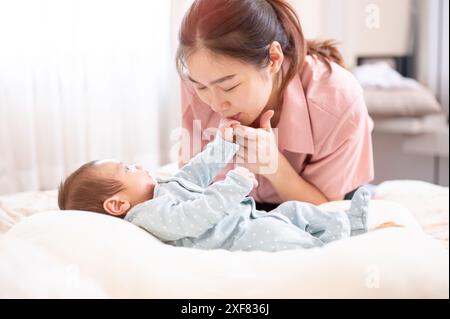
(235,117)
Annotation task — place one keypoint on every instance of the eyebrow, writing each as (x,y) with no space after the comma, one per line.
(225,78)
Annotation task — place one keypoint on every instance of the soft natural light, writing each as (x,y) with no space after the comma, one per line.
(80,80)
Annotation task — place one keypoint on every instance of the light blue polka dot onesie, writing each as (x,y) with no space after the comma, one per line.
(187,210)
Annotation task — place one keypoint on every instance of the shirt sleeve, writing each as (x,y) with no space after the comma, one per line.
(345,160)
(193,112)
(169,220)
(205,166)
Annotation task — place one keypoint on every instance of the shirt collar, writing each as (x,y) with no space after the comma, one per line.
(294,127)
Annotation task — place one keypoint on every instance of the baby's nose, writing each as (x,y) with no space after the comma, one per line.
(138,166)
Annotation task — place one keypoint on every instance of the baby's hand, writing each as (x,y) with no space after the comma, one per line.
(226,129)
(242,171)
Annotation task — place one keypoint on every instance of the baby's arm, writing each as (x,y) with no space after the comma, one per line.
(172,221)
(205,166)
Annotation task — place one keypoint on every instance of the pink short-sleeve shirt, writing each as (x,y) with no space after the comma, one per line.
(324,130)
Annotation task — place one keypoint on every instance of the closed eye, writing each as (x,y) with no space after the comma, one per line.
(231,89)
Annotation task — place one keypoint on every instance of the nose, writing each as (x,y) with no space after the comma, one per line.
(138,167)
(222,110)
(220,106)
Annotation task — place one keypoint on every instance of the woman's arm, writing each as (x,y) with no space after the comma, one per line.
(259,153)
(290,186)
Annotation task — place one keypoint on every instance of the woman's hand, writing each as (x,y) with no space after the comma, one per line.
(259,151)
(226,129)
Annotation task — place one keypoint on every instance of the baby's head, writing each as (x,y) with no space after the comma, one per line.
(107,186)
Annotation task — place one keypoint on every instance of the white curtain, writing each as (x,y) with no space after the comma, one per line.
(432,51)
(82,80)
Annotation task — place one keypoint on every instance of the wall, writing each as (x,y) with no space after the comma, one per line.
(364,27)
(394,161)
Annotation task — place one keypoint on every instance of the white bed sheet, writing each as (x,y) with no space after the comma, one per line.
(126,262)
(98,256)
(428,203)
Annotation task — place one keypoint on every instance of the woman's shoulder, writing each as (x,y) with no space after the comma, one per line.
(334,91)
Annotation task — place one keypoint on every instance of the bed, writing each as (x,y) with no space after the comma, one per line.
(46,253)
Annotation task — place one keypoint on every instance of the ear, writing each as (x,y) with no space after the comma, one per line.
(276,57)
(116,206)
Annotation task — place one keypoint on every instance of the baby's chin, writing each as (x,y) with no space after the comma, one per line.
(150,190)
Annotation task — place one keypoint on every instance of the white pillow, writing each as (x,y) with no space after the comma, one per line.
(28,271)
(127,262)
(416,102)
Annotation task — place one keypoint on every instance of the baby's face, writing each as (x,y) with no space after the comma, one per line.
(139,185)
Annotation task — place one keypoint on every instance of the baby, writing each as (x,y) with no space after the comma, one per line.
(189,210)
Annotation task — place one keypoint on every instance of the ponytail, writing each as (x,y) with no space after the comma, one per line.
(326,51)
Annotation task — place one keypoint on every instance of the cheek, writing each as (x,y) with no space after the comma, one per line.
(146,183)
(258,95)
(203,96)
(139,184)
(144,189)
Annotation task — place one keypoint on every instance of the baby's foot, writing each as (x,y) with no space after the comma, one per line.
(358,211)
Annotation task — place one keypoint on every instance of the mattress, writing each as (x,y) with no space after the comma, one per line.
(46,253)
(428,203)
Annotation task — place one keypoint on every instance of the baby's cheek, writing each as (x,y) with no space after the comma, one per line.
(148,186)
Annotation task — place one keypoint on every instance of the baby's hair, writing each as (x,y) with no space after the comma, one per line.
(86,190)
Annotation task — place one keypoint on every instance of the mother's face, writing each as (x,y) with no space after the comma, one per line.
(231,88)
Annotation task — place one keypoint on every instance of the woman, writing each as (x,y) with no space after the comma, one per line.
(248,61)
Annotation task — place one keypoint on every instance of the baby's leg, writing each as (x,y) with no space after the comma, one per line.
(328,226)
(272,234)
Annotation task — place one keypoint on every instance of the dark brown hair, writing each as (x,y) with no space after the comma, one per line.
(86,190)
(245,29)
